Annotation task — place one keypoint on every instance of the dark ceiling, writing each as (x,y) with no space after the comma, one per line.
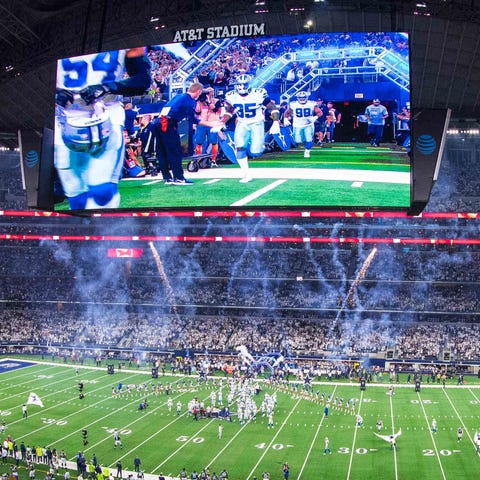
(445,42)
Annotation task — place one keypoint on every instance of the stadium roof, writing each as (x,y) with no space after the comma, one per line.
(445,41)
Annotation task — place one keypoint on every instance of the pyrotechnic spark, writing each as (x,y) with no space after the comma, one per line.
(163,276)
(360,276)
(351,291)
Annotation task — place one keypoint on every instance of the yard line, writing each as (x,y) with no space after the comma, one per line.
(88,407)
(460,418)
(184,444)
(16,385)
(129,404)
(431,436)
(258,193)
(155,434)
(48,395)
(273,439)
(22,369)
(313,441)
(393,433)
(191,439)
(474,396)
(227,445)
(352,450)
(135,401)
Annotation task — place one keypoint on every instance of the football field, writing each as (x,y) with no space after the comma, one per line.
(167,442)
(338,175)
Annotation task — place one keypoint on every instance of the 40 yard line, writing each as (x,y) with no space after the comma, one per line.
(313,441)
(273,440)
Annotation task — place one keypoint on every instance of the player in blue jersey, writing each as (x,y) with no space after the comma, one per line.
(169,148)
(376,115)
(303,113)
(89,123)
(248,105)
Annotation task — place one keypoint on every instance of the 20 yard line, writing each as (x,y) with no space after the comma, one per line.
(431,436)
(313,441)
(258,193)
(460,418)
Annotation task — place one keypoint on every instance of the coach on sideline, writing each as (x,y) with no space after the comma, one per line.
(169,149)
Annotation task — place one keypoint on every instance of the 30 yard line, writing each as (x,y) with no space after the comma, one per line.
(354,437)
(393,433)
(52,407)
(313,441)
(431,435)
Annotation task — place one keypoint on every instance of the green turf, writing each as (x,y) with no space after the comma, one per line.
(167,442)
(148,193)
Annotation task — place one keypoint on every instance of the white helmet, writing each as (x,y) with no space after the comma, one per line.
(242,84)
(302,97)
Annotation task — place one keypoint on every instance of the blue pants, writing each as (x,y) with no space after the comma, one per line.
(169,150)
(375,133)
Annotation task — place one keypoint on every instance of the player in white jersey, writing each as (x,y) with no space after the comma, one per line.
(303,113)
(89,123)
(248,105)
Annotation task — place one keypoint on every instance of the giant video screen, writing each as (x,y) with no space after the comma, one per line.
(308,121)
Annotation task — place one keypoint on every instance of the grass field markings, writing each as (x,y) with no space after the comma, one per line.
(23,369)
(257,194)
(213,180)
(130,424)
(56,403)
(114,411)
(16,385)
(184,444)
(352,451)
(474,396)
(395,177)
(313,442)
(393,433)
(461,421)
(154,182)
(273,439)
(41,412)
(157,432)
(431,436)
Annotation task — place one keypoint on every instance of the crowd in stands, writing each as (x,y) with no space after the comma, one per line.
(247,55)
(292,337)
(252,56)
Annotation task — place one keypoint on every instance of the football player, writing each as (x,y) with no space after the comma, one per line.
(209,109)
(248,105)
(89,123)
(303,112)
